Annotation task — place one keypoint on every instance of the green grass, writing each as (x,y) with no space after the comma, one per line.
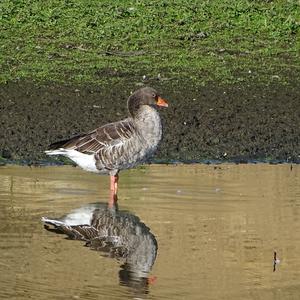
(91,41)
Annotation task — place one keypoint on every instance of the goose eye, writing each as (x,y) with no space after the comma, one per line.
(154,95)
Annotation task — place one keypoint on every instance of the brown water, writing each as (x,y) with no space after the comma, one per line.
(217,228)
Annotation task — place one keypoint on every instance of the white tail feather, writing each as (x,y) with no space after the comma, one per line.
(79,216)
(85,161)
(60,151)
(53,222)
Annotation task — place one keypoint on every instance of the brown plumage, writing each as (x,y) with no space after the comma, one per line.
(120,145)
(92,142)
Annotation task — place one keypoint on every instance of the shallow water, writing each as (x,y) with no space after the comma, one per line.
(216,227)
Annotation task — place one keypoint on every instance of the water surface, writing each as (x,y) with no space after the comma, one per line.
(216,226)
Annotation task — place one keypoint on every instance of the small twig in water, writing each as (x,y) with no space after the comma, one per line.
(276,261)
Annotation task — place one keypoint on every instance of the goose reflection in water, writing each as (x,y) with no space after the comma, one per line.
(117,234)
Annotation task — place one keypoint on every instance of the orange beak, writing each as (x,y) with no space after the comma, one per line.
(162,102)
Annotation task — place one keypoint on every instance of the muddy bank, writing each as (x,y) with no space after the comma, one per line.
(236,122)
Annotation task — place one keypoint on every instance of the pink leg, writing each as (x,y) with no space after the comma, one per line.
(113,190)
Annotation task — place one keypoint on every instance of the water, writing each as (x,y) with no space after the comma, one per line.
(216,227)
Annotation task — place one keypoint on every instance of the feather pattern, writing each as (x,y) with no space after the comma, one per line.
(120,234)
(119,145)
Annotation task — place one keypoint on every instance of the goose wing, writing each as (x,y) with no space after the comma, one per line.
(107,136)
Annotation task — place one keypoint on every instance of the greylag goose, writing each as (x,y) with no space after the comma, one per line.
(117,234)
(120,145)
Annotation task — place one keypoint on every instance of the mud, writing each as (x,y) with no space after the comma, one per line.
(236,122)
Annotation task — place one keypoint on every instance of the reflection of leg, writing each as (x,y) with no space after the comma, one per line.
(116,183)
(112,202)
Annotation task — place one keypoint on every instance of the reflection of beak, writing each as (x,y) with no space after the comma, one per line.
(162,102)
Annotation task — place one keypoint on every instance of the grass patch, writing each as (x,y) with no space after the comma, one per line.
(92,41)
